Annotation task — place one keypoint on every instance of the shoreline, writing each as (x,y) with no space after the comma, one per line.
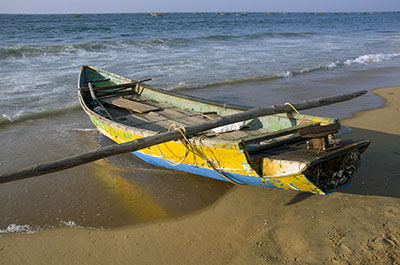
(254,225)
(360,120)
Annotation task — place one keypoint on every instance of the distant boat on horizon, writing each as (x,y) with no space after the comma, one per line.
(156,14)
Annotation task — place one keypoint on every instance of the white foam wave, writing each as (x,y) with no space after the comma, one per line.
(372,58)
(15,228)
(285,74)
(332,65)
(4,119)
(69,224)
(29,229)
(73,224)
(363,59)
(180,85)
(11,118)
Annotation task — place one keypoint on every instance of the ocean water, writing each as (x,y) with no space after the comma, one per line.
(40,55)
(252,59)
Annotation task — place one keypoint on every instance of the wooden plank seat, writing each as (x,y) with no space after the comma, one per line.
(161,118)
(131,105)
(141,122)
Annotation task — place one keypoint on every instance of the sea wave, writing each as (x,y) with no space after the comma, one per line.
(78,48)
(24,115)
(32,51)
(258,35)
(363,59)
(24,51)
(268,77)
(372,58)
(219,37)
(235,81)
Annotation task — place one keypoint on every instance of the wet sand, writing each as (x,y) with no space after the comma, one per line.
(114,192)
(252,225)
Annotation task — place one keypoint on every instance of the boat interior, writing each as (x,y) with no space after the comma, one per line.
(126,105)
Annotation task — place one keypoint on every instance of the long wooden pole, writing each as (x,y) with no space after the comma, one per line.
(141,143)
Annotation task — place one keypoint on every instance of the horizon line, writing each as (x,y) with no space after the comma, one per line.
(224,12)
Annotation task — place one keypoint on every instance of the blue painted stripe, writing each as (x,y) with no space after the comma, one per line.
(206,172)
(210,173)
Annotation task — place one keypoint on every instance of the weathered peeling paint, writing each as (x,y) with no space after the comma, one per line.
(229,159)
(272,167)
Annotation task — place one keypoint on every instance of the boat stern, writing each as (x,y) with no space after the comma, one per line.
(326,174)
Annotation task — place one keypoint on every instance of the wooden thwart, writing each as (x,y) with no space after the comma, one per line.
(318,131)
(130,105)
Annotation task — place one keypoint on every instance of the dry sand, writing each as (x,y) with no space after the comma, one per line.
(252,225)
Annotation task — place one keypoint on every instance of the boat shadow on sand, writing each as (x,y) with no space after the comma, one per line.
(380,168)
(379,174)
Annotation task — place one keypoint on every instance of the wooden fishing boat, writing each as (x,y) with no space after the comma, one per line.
(283,151)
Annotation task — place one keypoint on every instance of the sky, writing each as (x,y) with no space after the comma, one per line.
(134,6)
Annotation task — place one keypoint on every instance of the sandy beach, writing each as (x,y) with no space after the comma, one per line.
(253,225)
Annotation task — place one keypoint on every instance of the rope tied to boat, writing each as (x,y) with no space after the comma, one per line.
(196,150)
(289,104)
(182,131)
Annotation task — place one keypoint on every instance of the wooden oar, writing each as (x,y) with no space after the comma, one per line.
(138,144)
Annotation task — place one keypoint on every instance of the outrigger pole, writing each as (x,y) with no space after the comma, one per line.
(174,135)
